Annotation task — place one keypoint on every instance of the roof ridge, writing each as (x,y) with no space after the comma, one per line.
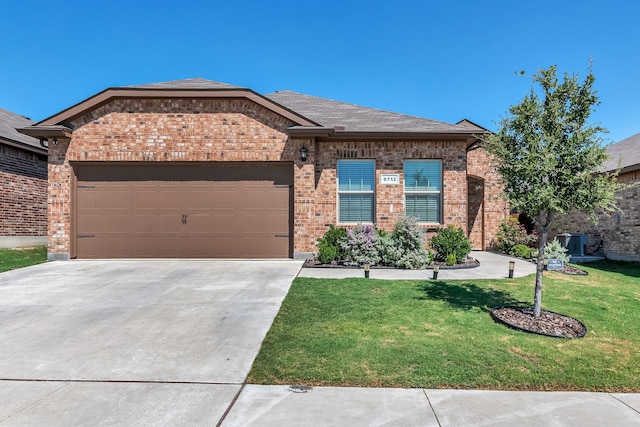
(192,82)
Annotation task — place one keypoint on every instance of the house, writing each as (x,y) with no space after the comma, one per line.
(197,168)
(23,179)
(617,235)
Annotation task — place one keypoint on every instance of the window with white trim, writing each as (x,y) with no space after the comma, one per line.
(423,190)
(356,190)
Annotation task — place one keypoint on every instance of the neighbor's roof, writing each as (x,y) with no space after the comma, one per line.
(9,135)
(354,118)
(624,155)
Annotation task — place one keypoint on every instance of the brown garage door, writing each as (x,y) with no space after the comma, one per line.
(212,210)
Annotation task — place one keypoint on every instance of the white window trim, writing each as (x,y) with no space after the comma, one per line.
(338,192)
(427,192)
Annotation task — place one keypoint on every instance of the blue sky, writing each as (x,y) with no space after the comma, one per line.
(445,60)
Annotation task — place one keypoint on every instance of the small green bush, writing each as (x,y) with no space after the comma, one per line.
(451,240)
(329,245)
(512,233)
(554,250)
(450,259)
(520,251)
(327,253)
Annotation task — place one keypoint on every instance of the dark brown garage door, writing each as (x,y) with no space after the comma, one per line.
(208,210)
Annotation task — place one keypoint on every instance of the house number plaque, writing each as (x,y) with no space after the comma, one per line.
(389,178)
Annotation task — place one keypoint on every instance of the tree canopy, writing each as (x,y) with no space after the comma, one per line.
(549,155)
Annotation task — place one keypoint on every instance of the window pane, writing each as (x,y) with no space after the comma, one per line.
(426,207)
(422,175)
(356,208)
(355,175)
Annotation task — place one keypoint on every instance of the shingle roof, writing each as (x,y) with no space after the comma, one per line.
(624,154)
(329,113)
(195,83)
(9,121)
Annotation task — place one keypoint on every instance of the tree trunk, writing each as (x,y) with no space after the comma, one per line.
(543,225)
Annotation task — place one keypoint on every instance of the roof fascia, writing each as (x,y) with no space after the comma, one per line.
(23,146)
(119,93)
(46,132)
(333,134)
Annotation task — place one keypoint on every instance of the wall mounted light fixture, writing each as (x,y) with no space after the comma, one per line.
(303,154)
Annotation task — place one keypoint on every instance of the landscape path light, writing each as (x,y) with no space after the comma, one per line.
(512,266)
(367,266)
(436,269)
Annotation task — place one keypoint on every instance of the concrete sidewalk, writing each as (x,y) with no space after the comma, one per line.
(267,406)
(492,266)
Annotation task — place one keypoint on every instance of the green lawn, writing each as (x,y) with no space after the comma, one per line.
(438,334)
(18,258)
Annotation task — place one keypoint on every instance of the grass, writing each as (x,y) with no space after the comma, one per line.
(438,334)
(11,259)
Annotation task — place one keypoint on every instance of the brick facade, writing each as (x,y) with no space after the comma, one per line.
(23,205)
(487,205)
(619,232)
(389,159)
(217,129)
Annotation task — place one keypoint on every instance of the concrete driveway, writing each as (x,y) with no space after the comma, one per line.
(160,341)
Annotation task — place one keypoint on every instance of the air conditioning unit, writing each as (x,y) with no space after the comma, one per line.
(575,243)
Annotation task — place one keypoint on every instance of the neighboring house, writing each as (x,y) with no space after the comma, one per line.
(196,168)
(617,235)
(23,180)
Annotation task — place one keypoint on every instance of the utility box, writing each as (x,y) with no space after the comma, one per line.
(575,243)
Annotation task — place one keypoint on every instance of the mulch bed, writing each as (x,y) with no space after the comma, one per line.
(573,271)
(469,263)
(549,323)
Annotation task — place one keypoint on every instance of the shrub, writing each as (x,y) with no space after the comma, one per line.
(450,259)
(415,259)
(388,250)
(327,253)
(520,251)
(512,233)
(360,245)
(404,247)
(451,240)
(554,250)
(329,245)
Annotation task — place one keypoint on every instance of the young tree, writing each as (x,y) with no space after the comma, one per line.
(549,156)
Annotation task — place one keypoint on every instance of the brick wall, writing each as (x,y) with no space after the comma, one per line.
(484,189)
(619,232)
(389,157)
(23,202)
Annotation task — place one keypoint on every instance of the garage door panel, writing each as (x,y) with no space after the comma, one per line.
(226,210)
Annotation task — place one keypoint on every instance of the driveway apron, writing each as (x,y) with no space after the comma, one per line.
(180,330)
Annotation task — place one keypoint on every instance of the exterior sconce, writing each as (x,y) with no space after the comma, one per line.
(366,266)
(436,270)
(512,266)
(303,154)
(44,142)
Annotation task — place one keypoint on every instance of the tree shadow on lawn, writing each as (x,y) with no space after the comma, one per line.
(466,296)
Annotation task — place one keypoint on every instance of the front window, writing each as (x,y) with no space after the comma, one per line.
(423,189)
(356,187)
